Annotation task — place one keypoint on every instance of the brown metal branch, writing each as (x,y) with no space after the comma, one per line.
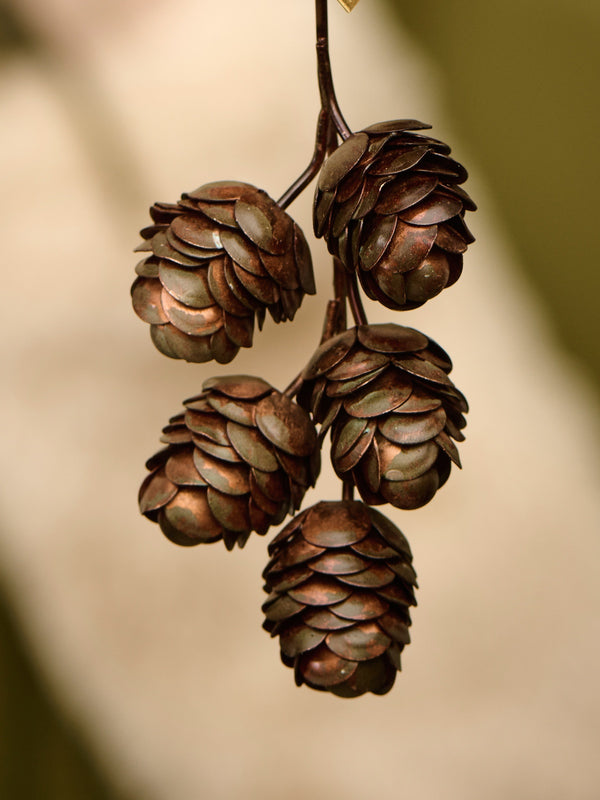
(312,170)
(328,98)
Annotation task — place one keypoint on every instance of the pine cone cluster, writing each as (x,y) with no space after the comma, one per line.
(389,205)
(219,258)
(241,455)
(239,459)
(385,393)
(341,584)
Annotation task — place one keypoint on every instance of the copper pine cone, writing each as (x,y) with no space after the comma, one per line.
(385,393)
(341,583)
(389,205)
(239,459)
(221,256)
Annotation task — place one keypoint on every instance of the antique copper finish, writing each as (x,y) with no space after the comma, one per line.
(241,456)
(390,208)
(391,434)
(348,619)
(218,259)
(223,473)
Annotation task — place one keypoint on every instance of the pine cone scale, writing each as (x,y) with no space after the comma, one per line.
(348,461)
(146,300)
(319,591)
(360,643)
(324,669)
(190,287)
(181,470)
(284,424)
(325,620)
(341,161)
(361,606)
(207,447)
(299,639)
(373,576)
(189,518)
(413,428)
(174,249)
(329,354)
(199,322)
(155,492)
(251,447)
(337,563)
(404,192)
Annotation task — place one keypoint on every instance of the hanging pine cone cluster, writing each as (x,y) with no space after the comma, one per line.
(242,454)
(221,257)
(389,206)
(385,393)
(341,583)
(239,459)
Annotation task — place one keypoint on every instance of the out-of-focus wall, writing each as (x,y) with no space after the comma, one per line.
(520,80)
(158,650)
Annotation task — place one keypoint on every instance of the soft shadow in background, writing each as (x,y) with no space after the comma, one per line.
(520,81)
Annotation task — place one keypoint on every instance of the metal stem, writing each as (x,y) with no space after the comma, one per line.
(312,170)
(331,323)
(330,117)
(327,92)
(340,290)
(294,387)
(355,301)
(347,490)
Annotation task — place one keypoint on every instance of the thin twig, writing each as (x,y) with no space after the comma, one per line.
(355,301)
(294,387)
(328,98)
(312,170)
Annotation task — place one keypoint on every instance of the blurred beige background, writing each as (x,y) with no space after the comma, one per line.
(156,653)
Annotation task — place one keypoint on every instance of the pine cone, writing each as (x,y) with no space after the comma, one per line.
(385,392)
(239,459)
(219,257)
(341,584)
(389,206)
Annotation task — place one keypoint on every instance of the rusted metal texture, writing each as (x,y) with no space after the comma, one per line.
(340,583)
(217,261)
(389,205)
(384,394)
(238,459)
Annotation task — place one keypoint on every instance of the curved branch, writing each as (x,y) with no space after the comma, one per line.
(326,90)
(312,170)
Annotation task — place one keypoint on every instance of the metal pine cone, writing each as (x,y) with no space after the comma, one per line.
(219,257)
(341,583)
(239,459)
(389,206)
(385,393)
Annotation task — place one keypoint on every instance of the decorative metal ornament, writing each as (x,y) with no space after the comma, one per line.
(219,258)
(239,459)
(391,432)
(390,205)
(340,583)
